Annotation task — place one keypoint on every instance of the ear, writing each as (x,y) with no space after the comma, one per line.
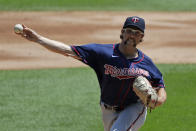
(121,36)
(122,30)
(142,36)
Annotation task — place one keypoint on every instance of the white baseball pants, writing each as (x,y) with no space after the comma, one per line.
(129,119)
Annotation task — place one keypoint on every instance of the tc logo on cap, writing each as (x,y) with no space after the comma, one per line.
(135,19)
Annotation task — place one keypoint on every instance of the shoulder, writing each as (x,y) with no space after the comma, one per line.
(146,58)
(96,46)
(148,63)
(100,47)
(93,49)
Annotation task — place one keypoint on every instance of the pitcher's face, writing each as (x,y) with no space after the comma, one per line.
(131,36)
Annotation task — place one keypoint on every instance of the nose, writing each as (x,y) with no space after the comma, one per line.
(131,36)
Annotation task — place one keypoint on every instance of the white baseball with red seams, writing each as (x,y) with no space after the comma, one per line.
(18,28)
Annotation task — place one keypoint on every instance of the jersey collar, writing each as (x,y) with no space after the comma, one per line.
(137,59)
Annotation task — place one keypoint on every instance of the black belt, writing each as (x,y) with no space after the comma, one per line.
(113,108)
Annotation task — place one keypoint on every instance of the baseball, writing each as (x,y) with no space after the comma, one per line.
(18,28)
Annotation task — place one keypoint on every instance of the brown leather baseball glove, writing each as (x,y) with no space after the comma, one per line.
(144,90)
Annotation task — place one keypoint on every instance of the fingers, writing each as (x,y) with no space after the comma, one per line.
(26,32)
(24,26)
(26,29)
(29,34)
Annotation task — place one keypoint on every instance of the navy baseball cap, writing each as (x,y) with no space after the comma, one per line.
(136,22)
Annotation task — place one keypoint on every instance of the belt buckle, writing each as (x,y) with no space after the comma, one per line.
(113,108)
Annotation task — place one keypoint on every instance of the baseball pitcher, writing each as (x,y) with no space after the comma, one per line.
(129,81)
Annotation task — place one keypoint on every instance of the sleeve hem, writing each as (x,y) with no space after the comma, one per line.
(78,54)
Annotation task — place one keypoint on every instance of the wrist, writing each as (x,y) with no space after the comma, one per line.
(160,101)
(40,39)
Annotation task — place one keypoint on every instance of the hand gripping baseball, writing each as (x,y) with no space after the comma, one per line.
(29,34)
(144,90)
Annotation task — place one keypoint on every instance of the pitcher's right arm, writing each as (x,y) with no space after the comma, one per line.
(52,45)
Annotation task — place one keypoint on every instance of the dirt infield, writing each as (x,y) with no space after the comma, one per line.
(169,37)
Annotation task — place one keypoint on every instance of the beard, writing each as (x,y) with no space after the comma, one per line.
(131,41)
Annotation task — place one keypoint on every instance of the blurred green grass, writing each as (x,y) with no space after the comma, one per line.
(108,5)
(45,100)
(68,99)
